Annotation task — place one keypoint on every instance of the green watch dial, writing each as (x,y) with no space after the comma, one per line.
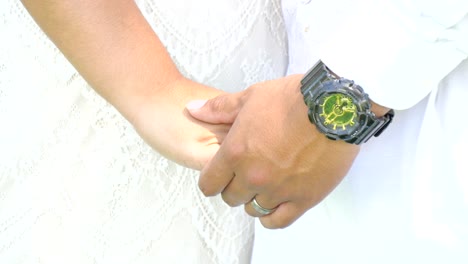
(338,111)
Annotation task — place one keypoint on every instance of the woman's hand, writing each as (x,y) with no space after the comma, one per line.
(164,123)
(114,48)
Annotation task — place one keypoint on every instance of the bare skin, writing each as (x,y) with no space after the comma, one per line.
(272,152)
(117,52)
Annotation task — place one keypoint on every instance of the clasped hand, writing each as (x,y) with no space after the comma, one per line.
(272,152)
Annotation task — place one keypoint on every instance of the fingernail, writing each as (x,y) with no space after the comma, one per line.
(195,104)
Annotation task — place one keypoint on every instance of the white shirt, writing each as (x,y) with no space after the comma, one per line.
(405,199)
(388,47)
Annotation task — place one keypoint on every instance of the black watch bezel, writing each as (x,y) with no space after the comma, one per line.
(319,83)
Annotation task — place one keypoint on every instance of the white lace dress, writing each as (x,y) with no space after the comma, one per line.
(77,184)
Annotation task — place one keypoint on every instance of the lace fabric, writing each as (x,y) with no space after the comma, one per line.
(78,185)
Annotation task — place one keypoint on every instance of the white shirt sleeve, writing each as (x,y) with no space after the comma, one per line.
(397,50)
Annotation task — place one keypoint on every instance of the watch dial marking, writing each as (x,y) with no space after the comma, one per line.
(338,110)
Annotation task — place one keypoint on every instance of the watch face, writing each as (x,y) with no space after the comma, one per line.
(338,113)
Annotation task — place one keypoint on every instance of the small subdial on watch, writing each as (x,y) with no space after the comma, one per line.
(338,111)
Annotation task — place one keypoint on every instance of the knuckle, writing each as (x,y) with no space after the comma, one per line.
(258,178)
(207,192)
(254,87)
(236,152)
(284,193)
(228,201)
(220,109)
(218,103)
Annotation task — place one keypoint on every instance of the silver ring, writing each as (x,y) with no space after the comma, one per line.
(260,209)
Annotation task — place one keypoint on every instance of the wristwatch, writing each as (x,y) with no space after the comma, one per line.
(339,108)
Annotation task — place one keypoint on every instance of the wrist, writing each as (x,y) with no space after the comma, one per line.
(146,96)
(169,101)
(379,110)
(340,108)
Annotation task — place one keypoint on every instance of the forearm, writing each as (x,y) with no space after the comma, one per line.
(112,46)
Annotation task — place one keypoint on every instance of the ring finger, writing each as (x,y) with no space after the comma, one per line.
(261,205)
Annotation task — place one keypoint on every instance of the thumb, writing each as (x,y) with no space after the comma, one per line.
(219,110)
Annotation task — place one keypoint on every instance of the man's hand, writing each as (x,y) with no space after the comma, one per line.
(272,152)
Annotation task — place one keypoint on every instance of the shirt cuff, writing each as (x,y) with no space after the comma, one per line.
(397,60)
